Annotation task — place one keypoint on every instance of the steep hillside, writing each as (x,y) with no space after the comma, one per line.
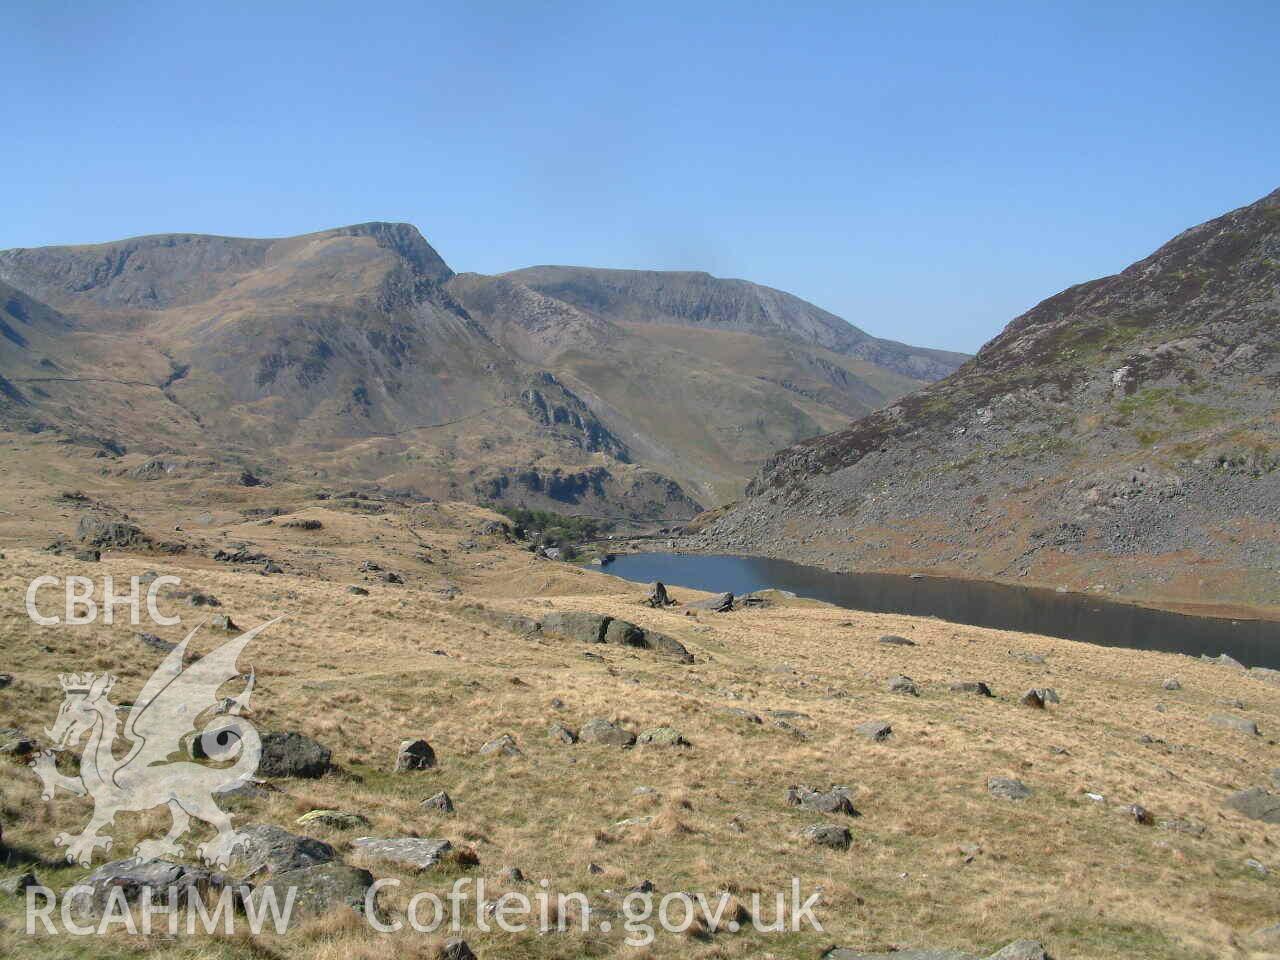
(356,353)
(705,404)
(1123,435)
(337,355)
(701,300)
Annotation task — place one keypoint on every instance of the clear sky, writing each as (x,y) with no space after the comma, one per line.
(927,171)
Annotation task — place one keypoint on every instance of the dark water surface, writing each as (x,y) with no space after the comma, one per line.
(979,603)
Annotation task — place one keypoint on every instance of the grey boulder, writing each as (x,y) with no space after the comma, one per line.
(602,731)
(412,853)
(271,849)
(293,755)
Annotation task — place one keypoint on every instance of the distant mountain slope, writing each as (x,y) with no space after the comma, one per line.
(701,300)
(703,404)
(356,353)
(1123,434)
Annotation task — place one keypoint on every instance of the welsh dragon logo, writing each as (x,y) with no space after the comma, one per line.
(185,745)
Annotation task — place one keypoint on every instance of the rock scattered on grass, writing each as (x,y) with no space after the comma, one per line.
(1256,803)
(293,754)
(835,800)
(1007,788)
(1032,699)
(415,755)
(829,835)
(662,737)
(503,746)
(1238,724)
(409,853)
(877,731)
(905,685)
(439,801)
(337,819)
(602,731)
(972,686)
(558,731)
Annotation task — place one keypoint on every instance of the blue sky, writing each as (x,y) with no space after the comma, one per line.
(927,171)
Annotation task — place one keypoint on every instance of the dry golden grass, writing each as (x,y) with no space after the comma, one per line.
(935,860)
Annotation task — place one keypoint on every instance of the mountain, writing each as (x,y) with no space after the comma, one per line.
(1122,436)
(692,299)
(356,354)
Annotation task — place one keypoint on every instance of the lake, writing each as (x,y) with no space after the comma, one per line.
(979,603)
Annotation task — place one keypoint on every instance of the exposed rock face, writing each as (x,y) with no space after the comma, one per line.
(587,627)
(1121,418)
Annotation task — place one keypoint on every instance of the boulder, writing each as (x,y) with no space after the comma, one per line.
(1048,695)
(972,686)
(1256,803)
(902,684)
(577,625)
(1172,684)
(835,800)
(1239,724)
(658,596)
(414,755)
(337,819)
(16,885)
(1006,788)
(1032,699)
(602,731)
(439,801)
(828,835)
(877,731)
(318,889)
(1222,660)
(625,634)
(720,603)
(455,949)
(662,737)
(896,641)
(558,731)
(503,746)
(660,643)
(137,878)
(293,754)
(266,848)
(409,853)
(357,591)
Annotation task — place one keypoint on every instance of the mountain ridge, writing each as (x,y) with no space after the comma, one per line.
(357,351)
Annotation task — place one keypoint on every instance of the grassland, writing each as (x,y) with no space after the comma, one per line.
(935,860)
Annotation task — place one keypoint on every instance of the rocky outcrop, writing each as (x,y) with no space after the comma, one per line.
(1118,419)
